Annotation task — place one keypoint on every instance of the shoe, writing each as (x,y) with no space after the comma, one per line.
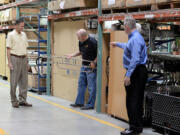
(130,132)
(87,108)
(76,105)
(25,104)
(15,105)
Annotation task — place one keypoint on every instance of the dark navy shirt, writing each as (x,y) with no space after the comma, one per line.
(88,50)
(135,52)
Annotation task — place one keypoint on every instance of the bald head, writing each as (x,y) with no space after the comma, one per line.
(82,35)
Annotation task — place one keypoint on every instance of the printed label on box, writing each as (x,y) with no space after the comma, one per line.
(111,2)
(62,4)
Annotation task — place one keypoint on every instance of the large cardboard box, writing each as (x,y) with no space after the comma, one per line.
(3,54)
(117,94)
(68,4)
(10,14)
(113,3)
(65,77)
(4,1)
(33,81)
(136,3)
(32,36)
(65,81)
(105,72)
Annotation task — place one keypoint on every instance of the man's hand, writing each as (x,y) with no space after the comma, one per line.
(113,44)
(92,65)
(10,66)
(127,81)
(69,56)
(28,67)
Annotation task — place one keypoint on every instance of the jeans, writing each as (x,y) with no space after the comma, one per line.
(87,78)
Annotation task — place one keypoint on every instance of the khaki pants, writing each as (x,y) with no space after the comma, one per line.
(19,76)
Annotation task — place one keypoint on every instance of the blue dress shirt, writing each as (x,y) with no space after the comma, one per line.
(135,52)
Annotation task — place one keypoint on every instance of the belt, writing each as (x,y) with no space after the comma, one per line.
(22,56)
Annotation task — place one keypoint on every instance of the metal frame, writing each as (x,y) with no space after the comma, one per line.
(159,15)
(48,76)
(16,4)
(81,13)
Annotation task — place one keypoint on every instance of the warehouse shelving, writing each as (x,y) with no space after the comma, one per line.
(39,48)
(19,3)
(81,13)
(37,31)
(172,14)
(164,15)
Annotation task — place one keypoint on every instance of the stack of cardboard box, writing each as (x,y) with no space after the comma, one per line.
(69,4)
(131,3)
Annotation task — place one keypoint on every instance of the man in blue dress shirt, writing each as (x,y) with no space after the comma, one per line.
(134,60)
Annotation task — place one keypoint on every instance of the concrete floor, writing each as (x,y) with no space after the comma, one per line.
(53,116)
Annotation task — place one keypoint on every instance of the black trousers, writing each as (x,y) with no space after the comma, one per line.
(135,97)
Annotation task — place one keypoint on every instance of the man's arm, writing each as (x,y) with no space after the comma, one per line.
(9,58)
(69,56)
(120,45)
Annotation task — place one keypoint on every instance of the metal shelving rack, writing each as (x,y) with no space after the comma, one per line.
(40,53)
(168,15)
(31,3)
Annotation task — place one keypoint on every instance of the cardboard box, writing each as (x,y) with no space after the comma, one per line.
(4,1)
(32,36)
(117,94)
(64,80)
(10,14)
(33,81)
(136,3)
(113,3)
(3,54)
(68,4)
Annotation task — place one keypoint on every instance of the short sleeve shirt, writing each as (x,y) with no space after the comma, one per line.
(88,50)
(18,43)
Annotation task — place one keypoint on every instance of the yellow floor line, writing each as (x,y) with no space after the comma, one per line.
(2,132)
(73,111)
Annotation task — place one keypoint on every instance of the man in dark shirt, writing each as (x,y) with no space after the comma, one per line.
(87,78)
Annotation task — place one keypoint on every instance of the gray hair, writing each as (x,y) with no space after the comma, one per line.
(138,27)
(130,22)
(82,33)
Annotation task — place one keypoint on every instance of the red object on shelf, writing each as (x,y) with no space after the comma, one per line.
(74,14)
(147,15)
(15,4)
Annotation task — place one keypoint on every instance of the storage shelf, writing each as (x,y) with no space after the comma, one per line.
(147,15)
(15,4)
(80,13)
(7,27)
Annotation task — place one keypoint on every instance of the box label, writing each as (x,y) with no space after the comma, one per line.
(111,2)
(61,5)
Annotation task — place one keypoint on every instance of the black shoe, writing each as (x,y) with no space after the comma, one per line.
(25,104)
(16,105)
(130,132)
(87,108)
(76,105)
